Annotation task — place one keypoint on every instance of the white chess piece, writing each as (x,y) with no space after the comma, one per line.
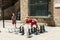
(26,27)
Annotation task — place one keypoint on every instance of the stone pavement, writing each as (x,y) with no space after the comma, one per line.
(53,33)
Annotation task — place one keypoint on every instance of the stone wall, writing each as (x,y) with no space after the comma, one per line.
(57,14)
(48,21)
(23,9)
(17,6)
(8,12)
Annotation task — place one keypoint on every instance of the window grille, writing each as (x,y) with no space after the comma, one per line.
(38,7)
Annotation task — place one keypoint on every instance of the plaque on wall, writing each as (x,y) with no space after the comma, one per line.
(57,4)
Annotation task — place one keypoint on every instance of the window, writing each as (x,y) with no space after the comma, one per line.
(38,7)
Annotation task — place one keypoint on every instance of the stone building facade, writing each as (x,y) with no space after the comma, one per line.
(55,13)
(10,6)
(23,5)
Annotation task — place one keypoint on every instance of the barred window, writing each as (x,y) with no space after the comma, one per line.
(38,7)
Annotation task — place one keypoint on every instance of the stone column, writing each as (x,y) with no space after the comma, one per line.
(57,14)
(23,9)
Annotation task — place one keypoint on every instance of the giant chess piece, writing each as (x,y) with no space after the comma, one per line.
(22,31)
(29,32)
(32,30)
(36,31)
(42,28)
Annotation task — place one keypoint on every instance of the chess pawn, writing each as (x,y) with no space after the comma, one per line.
(28,34)
(36,31)
(41,29)
(32,30)
(22,31)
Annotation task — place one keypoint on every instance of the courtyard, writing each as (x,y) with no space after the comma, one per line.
(53,33)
